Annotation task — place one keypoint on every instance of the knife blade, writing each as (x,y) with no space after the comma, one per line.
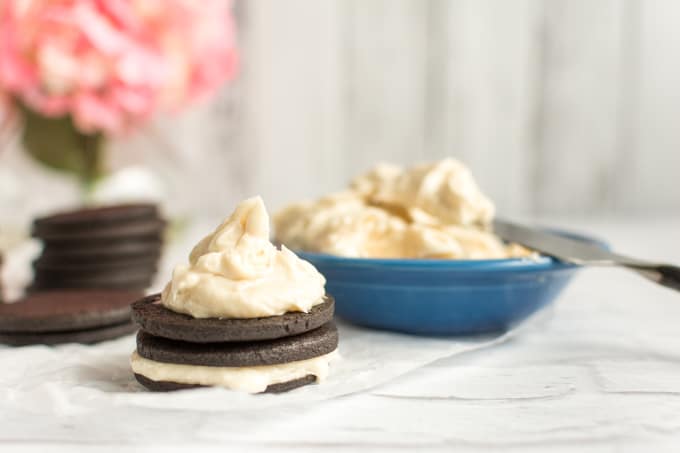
(581,252)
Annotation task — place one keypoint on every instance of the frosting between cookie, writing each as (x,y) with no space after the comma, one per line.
(236,272)
(254,379)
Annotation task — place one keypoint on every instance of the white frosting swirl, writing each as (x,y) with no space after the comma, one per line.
(236,272)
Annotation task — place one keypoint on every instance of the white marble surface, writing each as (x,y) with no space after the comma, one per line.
(602,374)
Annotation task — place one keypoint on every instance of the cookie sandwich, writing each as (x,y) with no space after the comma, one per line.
(242,314)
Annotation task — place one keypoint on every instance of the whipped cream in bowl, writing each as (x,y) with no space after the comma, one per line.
(412,250)
(430,211)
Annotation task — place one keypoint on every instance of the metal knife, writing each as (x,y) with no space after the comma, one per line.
(584,253)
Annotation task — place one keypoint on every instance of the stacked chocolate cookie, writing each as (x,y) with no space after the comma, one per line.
(2,289)
(176,351)
(113,247)
(57,317)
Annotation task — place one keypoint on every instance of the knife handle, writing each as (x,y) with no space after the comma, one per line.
(663,274)
(670,276)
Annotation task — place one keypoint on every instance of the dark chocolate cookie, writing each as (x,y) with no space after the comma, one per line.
(2,296)
(57,311)
(125,230)
(85,336)
(91,218)
(87,257)
(270,352)
(164,386)
(116,277)
(157,320)
(124,245)
(134,284)
(123,270)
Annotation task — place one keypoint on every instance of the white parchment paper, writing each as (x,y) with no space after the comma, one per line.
(75,379)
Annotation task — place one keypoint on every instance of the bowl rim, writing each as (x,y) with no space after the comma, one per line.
(541,262)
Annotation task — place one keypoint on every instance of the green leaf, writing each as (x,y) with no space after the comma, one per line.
(56,143)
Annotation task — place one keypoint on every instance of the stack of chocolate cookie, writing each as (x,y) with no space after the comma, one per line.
(193,347)
(113,247)
(2,289)
(67,316)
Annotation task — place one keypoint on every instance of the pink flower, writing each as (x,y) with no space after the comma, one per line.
(111,64)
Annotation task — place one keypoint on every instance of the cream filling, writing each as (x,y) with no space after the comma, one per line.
(253,379)
(236,272)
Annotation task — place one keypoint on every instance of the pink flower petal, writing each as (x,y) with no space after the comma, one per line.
(121,13)
(100,31)
(112,63)
(45,104)
(91,114)
(138,101)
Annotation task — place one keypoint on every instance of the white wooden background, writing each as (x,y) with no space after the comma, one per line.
(559,106)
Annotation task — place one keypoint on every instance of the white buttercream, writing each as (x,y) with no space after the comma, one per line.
(254,379)
(236,272)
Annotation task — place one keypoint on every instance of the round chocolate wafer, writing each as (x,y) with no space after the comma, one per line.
(92,256)
(314,343)
(137,283)
(85,219)
(123,245)
(93,277)
(85,336)
(103,270)
(126,230)
(59,311)
(157,320)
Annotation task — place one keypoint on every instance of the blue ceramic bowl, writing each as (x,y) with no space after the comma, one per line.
(442,297)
